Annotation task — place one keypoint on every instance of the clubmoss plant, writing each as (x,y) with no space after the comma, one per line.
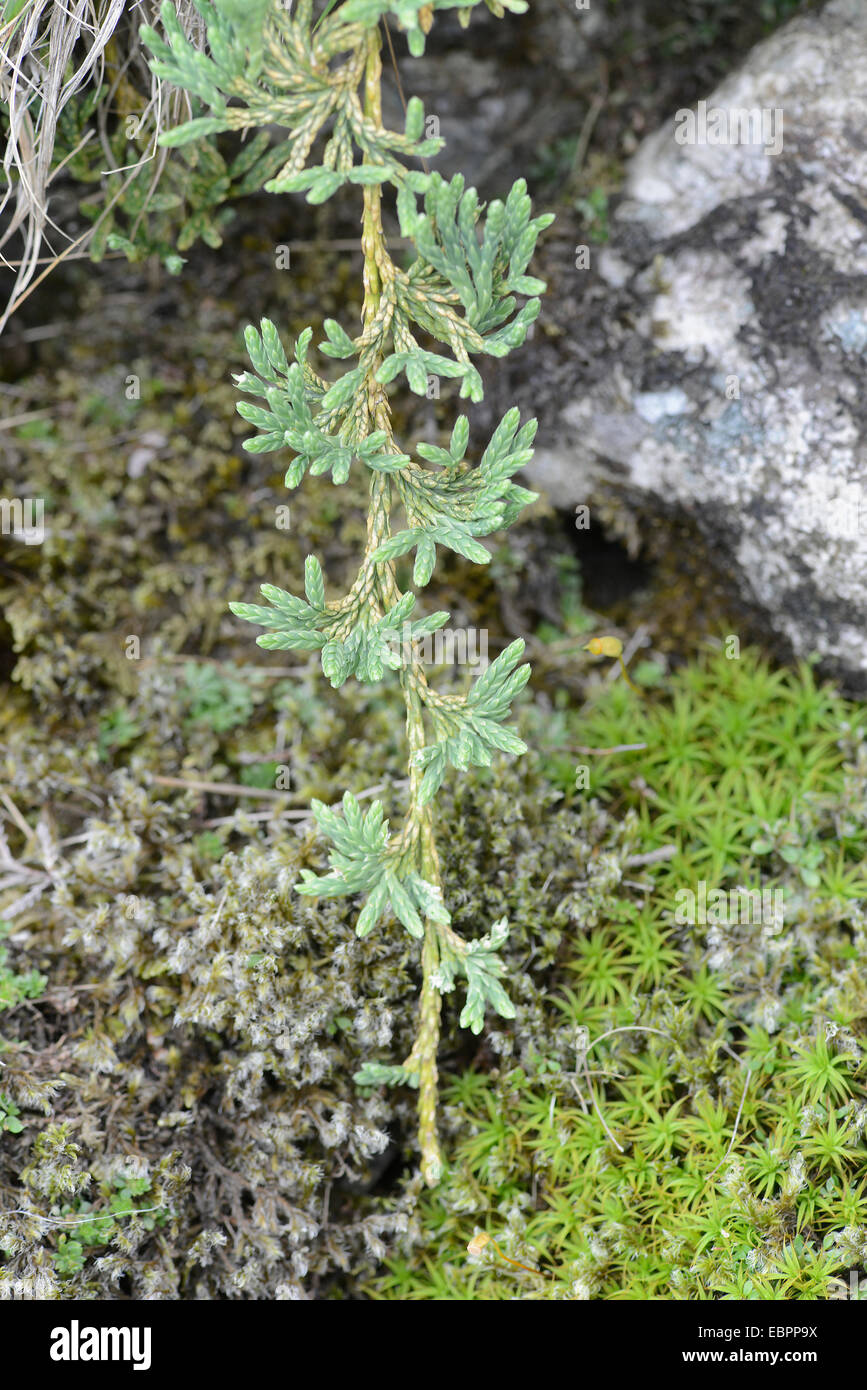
(318,76)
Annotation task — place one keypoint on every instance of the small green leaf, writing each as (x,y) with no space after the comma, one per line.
(376,1074)
(314,583)
(460,438)
(335,664)
(403,907)
(372,910)
(192,130)
(339,342)
(425,559)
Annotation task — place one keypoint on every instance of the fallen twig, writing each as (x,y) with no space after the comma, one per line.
(218,788)
(653,856)
(616,748)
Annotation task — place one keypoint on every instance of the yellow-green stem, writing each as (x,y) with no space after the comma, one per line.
(376,265)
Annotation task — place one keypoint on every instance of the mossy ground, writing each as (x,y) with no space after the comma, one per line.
(180,1028)
(687,1120)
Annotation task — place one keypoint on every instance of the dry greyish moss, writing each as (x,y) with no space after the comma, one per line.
(208,1051)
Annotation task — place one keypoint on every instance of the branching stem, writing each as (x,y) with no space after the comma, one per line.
(419,830)
(325,80)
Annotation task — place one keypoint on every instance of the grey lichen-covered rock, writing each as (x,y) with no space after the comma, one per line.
(714,358)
